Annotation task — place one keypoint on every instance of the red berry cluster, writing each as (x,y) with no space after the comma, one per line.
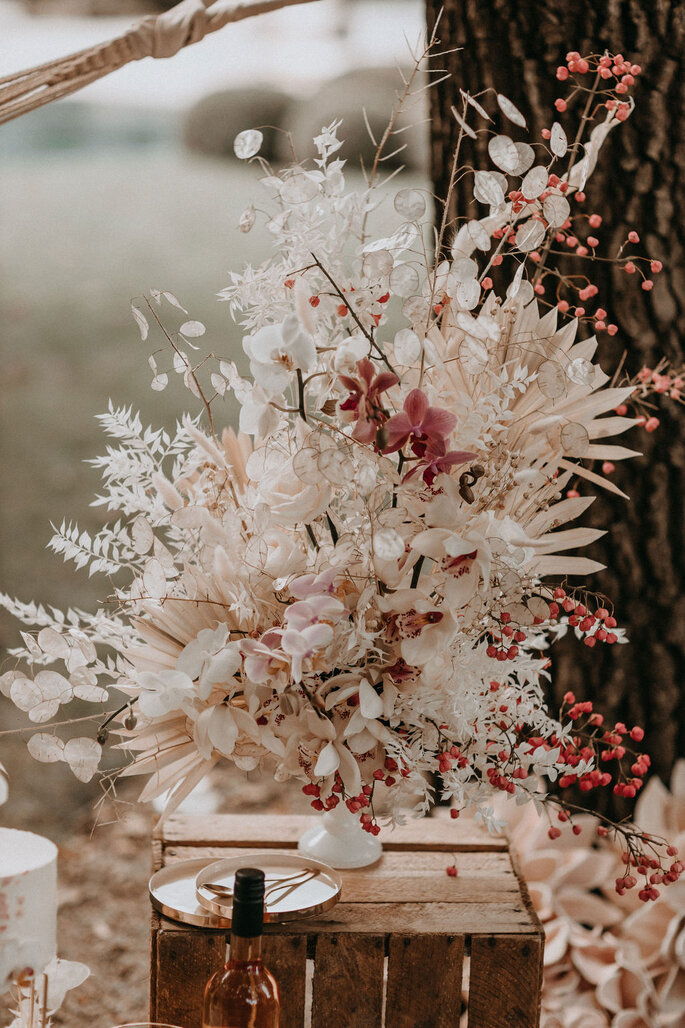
(613,77)
(504,646)
(596,627)
(653,869)
(387,775)
(606,67)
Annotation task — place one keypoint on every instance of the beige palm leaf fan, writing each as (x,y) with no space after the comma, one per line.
(154,36)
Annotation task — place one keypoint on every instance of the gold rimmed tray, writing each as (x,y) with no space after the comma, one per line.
(298,897)
(172,893)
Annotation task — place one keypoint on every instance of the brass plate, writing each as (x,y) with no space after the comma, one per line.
(172,893)
(307,899)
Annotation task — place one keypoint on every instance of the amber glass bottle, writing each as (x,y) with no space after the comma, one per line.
(244,994)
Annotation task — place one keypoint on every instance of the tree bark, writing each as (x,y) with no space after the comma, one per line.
(514,47)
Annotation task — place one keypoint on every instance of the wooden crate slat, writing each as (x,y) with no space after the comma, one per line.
(348,981)
(285,956)
(414,918)
(424,980)
(505,981)
(283,830)
(479,881)
(184,962)
(416,862)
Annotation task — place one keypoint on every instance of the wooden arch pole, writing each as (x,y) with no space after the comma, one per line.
(157,36)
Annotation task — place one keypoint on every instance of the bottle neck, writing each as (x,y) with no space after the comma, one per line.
(246,949)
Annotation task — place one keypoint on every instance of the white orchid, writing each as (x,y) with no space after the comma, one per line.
(210,659)
(276,351)
(163,691)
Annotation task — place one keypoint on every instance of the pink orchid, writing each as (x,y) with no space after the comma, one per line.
(303,613)
(304,587)
(364,399)
(419,422)
(436,459)
(263,657)
(300,643)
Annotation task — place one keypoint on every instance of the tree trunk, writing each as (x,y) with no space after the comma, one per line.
(514,47)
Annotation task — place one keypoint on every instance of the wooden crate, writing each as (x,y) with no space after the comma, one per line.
(407,946)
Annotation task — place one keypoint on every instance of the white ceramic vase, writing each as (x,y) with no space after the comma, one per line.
(340,841)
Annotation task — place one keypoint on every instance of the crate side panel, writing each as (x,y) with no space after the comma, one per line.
(505,981)
(285,956)
(424,980)
(348,981)
(184,962)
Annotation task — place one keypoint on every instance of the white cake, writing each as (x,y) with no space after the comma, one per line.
(28,902)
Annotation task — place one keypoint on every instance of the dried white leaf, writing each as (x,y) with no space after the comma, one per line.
(556,210)
(511,111)
(400,240)
(487,189)
(551,379)
(407,347)
(247,219)
(503,153)
(160,382)
(515,286)
(404,280)
(462,123)
(218,383)
(53,643)
(142,536)
(535,182)
(377,265)
(388,544)
(526,158)
(468,294)
(170,298)
(574,440)
(464,269)
(141,321)
(154,580)
(247,144)
(581,371)
(46,748)
(473,355)
(83,756)
(480,237)
(410,204)
(192,329)
(474,103)
(299,188)
(530,235)
(90,693)
(558,142)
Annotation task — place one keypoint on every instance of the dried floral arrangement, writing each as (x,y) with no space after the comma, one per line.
(361,586)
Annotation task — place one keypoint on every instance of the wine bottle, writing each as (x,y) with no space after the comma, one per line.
(244,994)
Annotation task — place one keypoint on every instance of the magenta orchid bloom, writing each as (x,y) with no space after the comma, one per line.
(419,422)
(364,399)
(436,460)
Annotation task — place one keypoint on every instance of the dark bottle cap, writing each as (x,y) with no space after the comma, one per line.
(247,917)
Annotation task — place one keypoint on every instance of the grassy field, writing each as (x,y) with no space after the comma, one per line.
(80,236)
